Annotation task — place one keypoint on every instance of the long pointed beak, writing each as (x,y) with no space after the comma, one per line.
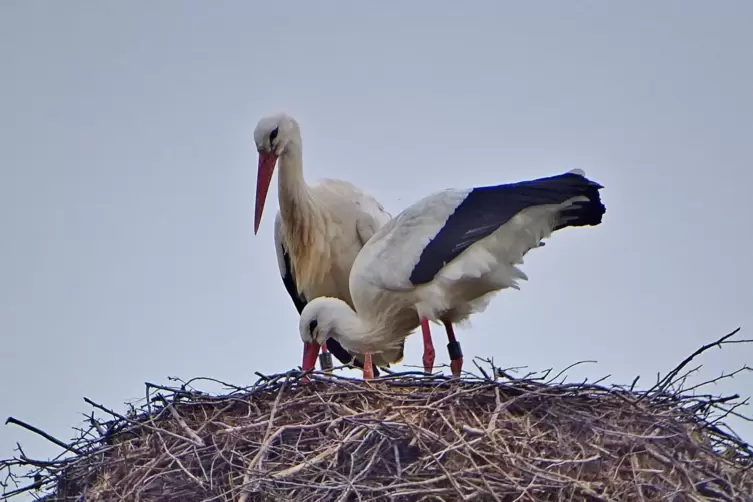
(310,352)
(267,162)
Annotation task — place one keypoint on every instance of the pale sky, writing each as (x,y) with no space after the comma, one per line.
(128,175)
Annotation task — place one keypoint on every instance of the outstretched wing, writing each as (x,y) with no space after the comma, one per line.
(485,209)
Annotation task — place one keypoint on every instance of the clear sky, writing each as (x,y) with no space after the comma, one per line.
(128,173)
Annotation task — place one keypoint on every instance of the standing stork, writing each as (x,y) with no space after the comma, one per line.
(442,259)
(319,229)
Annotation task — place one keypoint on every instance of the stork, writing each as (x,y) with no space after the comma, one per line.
(442,259)
(319,229)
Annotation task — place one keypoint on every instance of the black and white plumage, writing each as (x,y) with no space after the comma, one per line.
(319,229)
(443,258)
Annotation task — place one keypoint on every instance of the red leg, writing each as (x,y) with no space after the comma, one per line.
(453,347)
(368,367)
(429,353)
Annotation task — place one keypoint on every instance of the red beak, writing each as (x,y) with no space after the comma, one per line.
(267,162)
(310,352)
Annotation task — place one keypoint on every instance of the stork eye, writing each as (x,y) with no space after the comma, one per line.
(312,326)
(273,134)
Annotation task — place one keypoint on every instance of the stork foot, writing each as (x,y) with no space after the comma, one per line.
(456,357)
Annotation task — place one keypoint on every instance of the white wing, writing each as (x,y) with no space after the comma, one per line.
(387,260)
(494,228)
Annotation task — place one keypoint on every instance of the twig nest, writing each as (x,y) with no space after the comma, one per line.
(408,437)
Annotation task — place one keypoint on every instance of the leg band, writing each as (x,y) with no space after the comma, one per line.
(455,351)
(325,360)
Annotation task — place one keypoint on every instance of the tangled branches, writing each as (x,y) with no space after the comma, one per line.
(406,437)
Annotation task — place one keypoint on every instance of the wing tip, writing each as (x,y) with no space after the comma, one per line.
(582,174)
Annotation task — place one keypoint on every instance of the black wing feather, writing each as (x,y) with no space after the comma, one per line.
(485,209)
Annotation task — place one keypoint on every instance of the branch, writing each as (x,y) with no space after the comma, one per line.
(661,385)
(35,430)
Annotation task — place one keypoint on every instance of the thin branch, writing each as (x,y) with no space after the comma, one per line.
(48,437)
(663,382)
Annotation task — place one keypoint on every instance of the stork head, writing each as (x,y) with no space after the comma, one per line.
(272,136)
(323,318)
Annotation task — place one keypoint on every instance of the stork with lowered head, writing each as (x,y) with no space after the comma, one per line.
(442,259)
(319,229)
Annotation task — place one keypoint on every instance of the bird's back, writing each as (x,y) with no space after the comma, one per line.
(351,217)
(388,258)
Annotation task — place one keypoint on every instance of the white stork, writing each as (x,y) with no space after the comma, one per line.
(442,259)
(319,229)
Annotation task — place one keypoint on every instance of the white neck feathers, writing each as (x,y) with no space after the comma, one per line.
(305,224)
(342,323)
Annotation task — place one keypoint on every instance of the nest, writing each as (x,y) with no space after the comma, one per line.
(403,437)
